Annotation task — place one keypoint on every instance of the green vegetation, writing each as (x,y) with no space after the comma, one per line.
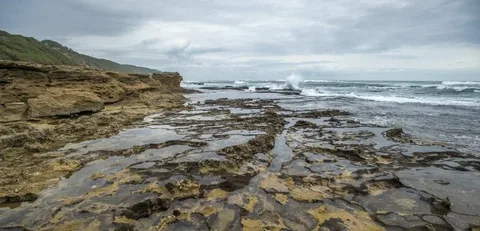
(20,48)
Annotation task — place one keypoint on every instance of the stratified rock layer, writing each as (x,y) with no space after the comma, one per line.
(44,107)
(31,90)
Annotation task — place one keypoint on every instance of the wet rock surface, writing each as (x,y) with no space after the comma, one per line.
(233,164)
(44,107)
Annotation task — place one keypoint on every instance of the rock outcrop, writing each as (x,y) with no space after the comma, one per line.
(44,107)
(30,91)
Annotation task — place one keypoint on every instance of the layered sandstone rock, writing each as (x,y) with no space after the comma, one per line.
(32,90)
(44,107)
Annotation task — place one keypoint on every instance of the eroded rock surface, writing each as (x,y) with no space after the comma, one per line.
(43,107)
(250,164)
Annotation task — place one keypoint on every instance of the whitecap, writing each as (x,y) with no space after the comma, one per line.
(450,83)
(453,87)
(394,99)
(417,100)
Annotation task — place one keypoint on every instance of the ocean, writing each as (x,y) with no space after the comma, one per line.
(447,111)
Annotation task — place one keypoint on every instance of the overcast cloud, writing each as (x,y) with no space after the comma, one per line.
(269,39)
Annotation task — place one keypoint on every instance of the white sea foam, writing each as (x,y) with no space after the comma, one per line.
(318,81)
(320,93)
(274,86)
(311,92)
(419,100)
(271,86)
(430,85)
(239,82)
(394,99)
(189,85)
(445,85)
(456,88)
(449,83)
(293,82)
(380,98)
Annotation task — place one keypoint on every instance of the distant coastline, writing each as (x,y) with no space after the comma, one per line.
(27,49)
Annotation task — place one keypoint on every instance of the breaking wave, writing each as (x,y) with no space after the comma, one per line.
(449,83)
(395,99)
(459,86)
(418,100)
(455,93)
(293,82)
(455,88)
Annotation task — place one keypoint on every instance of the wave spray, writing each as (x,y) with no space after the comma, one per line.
(293,82)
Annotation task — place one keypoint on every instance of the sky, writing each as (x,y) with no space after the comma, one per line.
(268,39)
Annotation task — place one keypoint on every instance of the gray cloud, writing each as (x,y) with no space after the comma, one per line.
(58,18)
(306,36)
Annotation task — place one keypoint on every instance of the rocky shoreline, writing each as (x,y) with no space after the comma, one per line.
(231,164)
(44,107)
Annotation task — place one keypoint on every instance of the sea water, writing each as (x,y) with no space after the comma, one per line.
(445,111)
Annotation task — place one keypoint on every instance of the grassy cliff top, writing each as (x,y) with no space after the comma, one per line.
(27,49)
